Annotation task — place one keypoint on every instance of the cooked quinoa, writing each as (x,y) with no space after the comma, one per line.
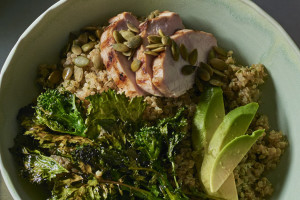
(241,87)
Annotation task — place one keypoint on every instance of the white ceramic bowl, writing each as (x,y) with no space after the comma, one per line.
(238,24)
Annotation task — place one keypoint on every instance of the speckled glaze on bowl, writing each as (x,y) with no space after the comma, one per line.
(238,24)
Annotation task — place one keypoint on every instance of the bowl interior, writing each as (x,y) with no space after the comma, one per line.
(238,25)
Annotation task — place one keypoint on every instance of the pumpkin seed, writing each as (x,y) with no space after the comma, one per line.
(128,53)
(222,57)
(65,50)
(151,16)
(134,42)
(81,61)
(154,46)
(135,65)
(175,51)
(151,53)
(188,69)
(132,54)
(133,28)
(183,52)
(68,46)
(97,61)
(218,64)
(207,67)
(220,51)
(156,13)
(165,40)
(161,33)
(88,46)
(120,47)
(203,74)
(211,54)
(193,57)
(126,43)
(154,39)
(67,73)
(118,37)
(83,38)
(219,73)
(126,34)
(92,38)
(89,28)
(76,49)
(78,73)
(77,42)
(216,82)
(54,77)
(199,85)
(159,49)
(98,33)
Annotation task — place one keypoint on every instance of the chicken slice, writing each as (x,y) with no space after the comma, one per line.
(169,23)
(117,65)
(167,76)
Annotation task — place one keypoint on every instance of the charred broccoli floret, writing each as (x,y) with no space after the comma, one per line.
(61,112)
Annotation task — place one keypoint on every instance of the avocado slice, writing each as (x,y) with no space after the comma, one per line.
(209,115)
(229,157)
(227,189)
(234,124)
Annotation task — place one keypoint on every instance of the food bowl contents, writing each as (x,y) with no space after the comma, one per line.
(112,52)
(147,109)
(173,74)
(155,34)
(158,67)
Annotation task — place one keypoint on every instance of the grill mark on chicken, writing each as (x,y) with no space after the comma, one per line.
(117,65)
(110,60)
(122,77)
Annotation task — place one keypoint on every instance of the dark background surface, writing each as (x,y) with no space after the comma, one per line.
(17,15)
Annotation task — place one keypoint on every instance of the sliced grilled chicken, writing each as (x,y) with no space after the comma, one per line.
(167,76)
(169,23)
(117,65)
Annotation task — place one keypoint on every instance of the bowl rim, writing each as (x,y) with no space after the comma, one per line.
(250,4)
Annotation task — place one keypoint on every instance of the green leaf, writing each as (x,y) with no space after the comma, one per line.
(110,105)
(74,188)
(149,141)
(61,112)
(41,168)
(56,143)
(173,130)
(113,112)
(168,133)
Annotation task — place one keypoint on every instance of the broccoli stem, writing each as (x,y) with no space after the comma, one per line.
(141,191)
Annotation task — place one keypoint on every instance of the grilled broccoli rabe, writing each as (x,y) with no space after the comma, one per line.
(39,167)
(114,113)
(112,106)
(61,112)
(119,156)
